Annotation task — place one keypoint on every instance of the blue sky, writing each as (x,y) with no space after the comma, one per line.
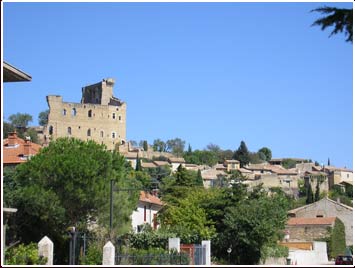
(204,72)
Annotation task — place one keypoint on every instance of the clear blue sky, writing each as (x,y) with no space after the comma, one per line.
(204,72)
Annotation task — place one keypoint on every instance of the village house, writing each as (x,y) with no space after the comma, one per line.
(146,213)
(17,150)
(175,162)
(327,208)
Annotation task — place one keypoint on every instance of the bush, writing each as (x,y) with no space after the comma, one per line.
(337,243)
(24,255)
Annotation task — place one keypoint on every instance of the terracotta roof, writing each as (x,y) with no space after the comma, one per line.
(311,221)
(16,149)
(148,198)
(161,163)
(220,167)
(332,168)
(232,161)
(176,160)
(211,174)
(243,170)
(272,168)
(148,165)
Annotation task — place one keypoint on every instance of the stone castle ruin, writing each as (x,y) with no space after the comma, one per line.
(99,116)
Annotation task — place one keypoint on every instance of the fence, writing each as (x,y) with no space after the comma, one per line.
(179,254)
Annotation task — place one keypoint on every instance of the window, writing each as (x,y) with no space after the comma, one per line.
(89,132)
(73,112)
(113,116)
(90,113)
(64,112)
(69,130)
(101,134)
(113,135)
(50,130)
(119,118)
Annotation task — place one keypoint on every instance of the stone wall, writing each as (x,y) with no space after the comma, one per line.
(308,233)
(330,208)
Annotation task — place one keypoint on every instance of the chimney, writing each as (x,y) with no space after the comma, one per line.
(27,147)
(12,136)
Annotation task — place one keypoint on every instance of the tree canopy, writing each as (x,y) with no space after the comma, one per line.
(340,18)
(73,176)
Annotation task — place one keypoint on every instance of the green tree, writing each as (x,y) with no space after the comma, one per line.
(340,18)
(159,145)
(43,118)
(288,163)
(20,121)
(145,145)
(337,242)
(242,154)
(32,133)
(187,219)
(199,179)
(176,146)
(8,127)
(138,163)
(249,226)
(309,193)
(317,194)
(73,176)
(267,152)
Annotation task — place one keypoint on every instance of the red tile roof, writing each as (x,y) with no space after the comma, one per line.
(311,221)
(148,198)
(16,149)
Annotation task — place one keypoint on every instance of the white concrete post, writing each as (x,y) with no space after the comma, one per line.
(174,243)
(45,249)
(207,245)
(109,254)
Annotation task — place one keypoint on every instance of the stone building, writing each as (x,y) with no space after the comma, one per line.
(326,208)
(99,116)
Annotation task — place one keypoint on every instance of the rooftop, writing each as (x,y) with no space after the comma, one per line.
(311,221)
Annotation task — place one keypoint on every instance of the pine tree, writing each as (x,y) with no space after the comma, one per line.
(328,161)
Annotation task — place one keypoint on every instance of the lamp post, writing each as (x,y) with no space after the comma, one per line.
(72,232)
(229,251)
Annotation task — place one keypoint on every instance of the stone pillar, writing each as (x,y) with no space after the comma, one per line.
(109,254)
(45,249)
(174,243)
(207,245)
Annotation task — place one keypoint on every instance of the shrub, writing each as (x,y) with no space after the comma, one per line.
(24,255)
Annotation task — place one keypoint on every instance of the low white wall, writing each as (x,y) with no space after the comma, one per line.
(310,257)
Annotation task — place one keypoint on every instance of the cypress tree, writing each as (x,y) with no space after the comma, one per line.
(317,194)
(138,164)
(310,198)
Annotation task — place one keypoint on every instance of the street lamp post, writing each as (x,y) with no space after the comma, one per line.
(229,251)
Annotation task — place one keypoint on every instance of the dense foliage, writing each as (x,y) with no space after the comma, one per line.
(24,255)
(73,176)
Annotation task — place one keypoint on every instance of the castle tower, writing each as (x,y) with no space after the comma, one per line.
(100,116)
